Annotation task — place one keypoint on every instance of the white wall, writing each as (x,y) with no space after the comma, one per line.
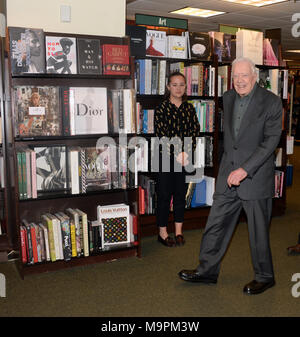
(94,17)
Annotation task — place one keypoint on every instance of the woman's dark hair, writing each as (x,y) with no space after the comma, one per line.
(175,73)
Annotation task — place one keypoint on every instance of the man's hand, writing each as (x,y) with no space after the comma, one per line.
(182,159)
(236,176)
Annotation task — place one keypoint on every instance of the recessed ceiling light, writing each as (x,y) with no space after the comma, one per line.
(257,3)
(293,51)
(204,13)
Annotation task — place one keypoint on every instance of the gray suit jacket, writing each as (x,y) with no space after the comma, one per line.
(254,147)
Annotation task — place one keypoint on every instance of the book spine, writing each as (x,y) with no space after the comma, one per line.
(33,175)
(83,171)
(30,259)
(20,175)
(23,244)
(73,238)
(24,174)
(66,239)
(65,111)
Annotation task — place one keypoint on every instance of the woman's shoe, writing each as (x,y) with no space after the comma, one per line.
(169,242)
(179,239)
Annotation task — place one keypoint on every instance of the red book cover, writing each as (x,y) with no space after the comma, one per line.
(34,244)
(23,243)
(141,200)
(135,229)
(115,59)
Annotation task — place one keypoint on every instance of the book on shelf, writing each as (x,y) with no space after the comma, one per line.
(89,56)
(47,223)
(156,43)
(200,46)
(115,224)
(37,111)
(76,234)
(97,168)
(61,57)
(279,182)
(66,235)
(137,35)
(115,59)
(27,50)
(270,52)
(177,46)
(87,111)
(83,223)
(26,166)
(249,43)
(51,168)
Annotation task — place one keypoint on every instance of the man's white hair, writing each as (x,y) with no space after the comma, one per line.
(245,59)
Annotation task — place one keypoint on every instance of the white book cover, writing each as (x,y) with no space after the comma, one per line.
(156,43)
(162,77)
(249,43)
(74,170)
(115,224)
(61,57)
(177,47)
(88,108)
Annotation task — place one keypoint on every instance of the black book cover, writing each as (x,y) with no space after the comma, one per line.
(89,56)
(137,36)
(200,45)
(27,50)
(51,168)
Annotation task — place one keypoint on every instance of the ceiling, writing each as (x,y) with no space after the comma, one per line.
(267,17)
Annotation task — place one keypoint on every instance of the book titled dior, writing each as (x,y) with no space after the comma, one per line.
(87,111)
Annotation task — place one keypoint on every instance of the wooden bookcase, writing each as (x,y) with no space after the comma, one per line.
(32,209)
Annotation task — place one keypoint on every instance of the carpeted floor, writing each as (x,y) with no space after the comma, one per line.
(150,286)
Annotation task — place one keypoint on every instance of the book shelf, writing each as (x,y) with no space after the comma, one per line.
(32,209)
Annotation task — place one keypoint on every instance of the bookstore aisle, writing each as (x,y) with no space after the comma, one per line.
(149,286)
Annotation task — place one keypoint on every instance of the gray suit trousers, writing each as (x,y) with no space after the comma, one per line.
(220,227)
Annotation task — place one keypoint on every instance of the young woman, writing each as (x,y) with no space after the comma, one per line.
(174,117)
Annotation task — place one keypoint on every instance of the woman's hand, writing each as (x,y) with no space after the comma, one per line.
(182,159)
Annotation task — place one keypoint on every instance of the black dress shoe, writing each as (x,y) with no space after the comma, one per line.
(179,239)
(255,287)
(194,276)
(169,242)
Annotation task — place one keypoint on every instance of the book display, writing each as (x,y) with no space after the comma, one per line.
(62,168)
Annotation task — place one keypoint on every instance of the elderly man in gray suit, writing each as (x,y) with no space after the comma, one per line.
(252,130)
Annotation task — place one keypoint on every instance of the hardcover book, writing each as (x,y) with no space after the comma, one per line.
(89,56)
(51,168)
(271,52)
(115,59)
(156,43)
(200,46)
(27,50)
(249,43)
(88,110)
(61,55)
(115,224)
(37,111)
(177,46)
(221,44)
(137,36)
(97,168)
